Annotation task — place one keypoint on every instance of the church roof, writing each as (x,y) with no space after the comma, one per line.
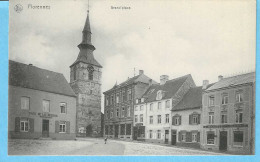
(31,77)
(86,58)
(192,99)
(233,81)
(169,88)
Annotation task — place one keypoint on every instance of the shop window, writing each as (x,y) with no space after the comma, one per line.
(128,129)
(238,138)
(210,138)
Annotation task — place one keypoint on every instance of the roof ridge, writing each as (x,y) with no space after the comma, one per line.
(177,78)
(238,75)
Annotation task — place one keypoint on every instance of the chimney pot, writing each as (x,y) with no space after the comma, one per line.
(163,79)
(220,77)
(141,72)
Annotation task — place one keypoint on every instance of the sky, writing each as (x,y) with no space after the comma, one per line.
(203,38)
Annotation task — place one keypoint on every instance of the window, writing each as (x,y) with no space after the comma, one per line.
(167,104)
(63,107)
(159,120)
(211,118)
(136,101)
(123,112)
(176,120)
(142,99)
(128,111)
(166,118)
(136,108)
(210,138)
(117,98)
(112,99)
(239,117)
(211,101)
(159,95)
(151,107)
(141,107)
(239,96)
(25,103)
(224,117)
(238,138)
(24,125)
(117,112)
(107,99)
(183,137)
(224,99)
(120,97)
(159,105)
(129,94)
(151,119)
(90,72)
(111,114)
(194,137)
(123,96)
(150,134)
(62,127)
(107,114)
(195,119)
(159,134)
(136,118)
(46,106)
(141,118)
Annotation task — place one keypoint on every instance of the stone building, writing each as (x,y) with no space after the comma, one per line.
(119,103)
(156,108)
(85,80)
(228,115)
(41,104)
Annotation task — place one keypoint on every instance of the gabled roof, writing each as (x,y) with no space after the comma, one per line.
(139,78)
(169,89)
(28,76)
(233,81)
(192,99)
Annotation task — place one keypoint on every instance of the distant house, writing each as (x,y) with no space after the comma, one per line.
(228,115)
(41,103)
(119,104)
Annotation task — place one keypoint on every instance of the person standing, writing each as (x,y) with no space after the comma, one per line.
(105,140)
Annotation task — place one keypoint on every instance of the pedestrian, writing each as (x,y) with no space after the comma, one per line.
(106,140)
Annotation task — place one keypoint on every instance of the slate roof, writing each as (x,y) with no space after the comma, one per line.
(86,57)
(233,81)
(192,99)
(139,78)
(169,88)
(28,76)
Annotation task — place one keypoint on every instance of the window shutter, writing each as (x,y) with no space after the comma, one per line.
(180,120)
(198,137)
(67,127)
(57,127)
(188,137)
(190,119)
(179,136)
(31,124)
(199,119)
(17,124)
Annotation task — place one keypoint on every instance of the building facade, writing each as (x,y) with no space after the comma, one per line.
(228,115)
(119,104)
(41,104)
(156,108)
(85,80)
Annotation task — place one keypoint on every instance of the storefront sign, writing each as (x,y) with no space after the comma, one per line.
(47,115)
(226,126)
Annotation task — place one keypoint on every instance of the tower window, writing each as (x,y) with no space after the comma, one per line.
(90,72)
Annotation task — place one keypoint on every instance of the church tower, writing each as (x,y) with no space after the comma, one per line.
(85,80)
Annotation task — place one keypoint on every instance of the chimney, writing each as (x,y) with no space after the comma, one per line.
(141,72)
(163,79)
(205,83)
(150,82)
(220,77)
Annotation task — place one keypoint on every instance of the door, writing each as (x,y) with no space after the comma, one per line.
(166,136)
(116,131)
(174,137)
(45,128)
(135,132)
(223,140)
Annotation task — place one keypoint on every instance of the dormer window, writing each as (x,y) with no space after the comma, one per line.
(159,95)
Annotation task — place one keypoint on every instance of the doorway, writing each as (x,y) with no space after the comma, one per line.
(45,128)
(223,140)
(116,131)
(166,136)
(174,137)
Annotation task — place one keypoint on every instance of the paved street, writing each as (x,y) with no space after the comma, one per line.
(90,146)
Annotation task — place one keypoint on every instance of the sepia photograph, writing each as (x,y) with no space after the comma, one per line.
(131,78)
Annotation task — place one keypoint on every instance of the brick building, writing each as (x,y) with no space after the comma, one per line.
(228,115)
(85,80)
(41,104)
(119,104)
